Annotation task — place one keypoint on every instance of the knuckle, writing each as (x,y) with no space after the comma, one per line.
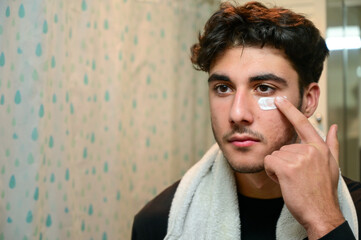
(283,148)
(269,162)
(275,153)
(267,159)
(299,160)
(312,150)
(317,148)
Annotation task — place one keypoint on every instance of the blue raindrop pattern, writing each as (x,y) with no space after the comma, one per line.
(87,99)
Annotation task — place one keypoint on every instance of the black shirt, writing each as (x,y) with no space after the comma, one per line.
(259,217)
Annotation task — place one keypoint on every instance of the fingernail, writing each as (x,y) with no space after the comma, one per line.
(280,99)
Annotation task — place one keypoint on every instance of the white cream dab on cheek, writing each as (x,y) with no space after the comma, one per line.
(267,103)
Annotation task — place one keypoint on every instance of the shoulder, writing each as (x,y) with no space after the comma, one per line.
(152,220)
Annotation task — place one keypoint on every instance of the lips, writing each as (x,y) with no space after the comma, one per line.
(242,141)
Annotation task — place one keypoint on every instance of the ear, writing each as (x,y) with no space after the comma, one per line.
(311,96)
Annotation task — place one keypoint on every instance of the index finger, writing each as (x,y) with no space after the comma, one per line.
(303,127)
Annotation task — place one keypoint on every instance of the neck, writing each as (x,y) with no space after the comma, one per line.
(257,185)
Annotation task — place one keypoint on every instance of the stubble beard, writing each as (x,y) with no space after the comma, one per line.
(290,137)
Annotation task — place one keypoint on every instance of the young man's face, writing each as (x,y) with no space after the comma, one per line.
(245,132)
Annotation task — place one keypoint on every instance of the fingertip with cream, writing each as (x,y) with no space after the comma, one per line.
(280,99)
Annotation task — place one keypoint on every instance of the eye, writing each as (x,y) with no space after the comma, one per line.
(265,89)
(222,89)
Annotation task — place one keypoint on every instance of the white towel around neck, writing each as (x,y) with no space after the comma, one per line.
(205,205)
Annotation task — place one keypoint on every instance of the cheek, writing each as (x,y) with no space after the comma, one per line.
(278,128)
(219,122)
(219,112)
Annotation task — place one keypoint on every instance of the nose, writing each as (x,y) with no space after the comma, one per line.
(241,110)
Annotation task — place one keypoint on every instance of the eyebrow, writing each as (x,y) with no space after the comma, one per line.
(269,76)
(218,77)
(260,77)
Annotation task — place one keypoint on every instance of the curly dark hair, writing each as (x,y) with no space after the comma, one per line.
(253,24)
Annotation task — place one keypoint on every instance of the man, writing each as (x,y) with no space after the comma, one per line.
(270,175)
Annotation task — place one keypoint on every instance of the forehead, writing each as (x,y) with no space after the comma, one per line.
(252,61)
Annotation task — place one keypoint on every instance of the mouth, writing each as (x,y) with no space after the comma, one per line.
(243,141)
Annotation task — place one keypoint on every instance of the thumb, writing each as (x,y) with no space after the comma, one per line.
(332,142)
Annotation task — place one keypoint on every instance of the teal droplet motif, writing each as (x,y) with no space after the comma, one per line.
(41,111)
(106,24)
(83,226)
(71,108)
(48,221)
(52,178)
(21,11)
(34,134)
(106,167)
(85,153)
(67,174)
(86,79)
(18,97)
(83,5)
(36,194)
(45,27)
(51,142)
(107,96)
(12,182)
(53,63)
(92,138)
(7,12)
(38,50)
(90,210)
(30,158)
(29,217)
(2,59)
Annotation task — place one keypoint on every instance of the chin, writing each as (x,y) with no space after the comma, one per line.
(245,167)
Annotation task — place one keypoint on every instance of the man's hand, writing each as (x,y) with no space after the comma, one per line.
(308,174)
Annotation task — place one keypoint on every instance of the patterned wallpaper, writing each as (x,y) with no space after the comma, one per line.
(100,110)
